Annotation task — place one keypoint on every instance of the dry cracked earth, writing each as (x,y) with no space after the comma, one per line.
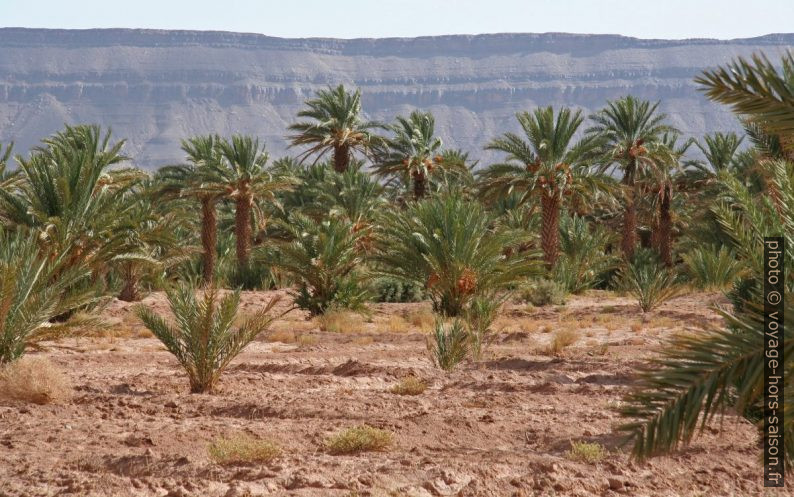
(503,426)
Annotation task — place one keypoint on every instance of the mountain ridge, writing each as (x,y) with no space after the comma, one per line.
(157,86)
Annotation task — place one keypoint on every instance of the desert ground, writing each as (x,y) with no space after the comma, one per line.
(502,426)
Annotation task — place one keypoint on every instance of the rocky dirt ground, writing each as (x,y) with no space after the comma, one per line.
(500,427)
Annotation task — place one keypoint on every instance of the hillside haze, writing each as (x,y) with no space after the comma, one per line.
(156,87)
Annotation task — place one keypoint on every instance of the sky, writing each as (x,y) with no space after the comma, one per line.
(673,19)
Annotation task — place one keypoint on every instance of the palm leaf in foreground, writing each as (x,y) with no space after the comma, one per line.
(755,89)
(700,377)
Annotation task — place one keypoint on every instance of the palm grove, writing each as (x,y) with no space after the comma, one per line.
(369,211)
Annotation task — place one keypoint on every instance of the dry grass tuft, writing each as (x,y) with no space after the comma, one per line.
(562,339)
(636,327)
(34,379)
(410,385)
(397,324)
(306,340)
(586,452)
(362,438)
(341,322)
(283,336)
(242,448)
(365,340)
(424,319)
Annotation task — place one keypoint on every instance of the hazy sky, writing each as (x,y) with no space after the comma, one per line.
(382,18)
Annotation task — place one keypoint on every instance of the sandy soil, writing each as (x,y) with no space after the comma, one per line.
(500,427)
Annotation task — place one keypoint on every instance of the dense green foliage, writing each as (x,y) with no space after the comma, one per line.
(448,244)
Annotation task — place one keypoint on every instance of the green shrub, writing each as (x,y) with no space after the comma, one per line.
(250,277)
(203,340)
(449,246)
(584,262)
(586,452)
(647,280)
(710,268)
(362,438)
(542,292)
(449,344)
(327,260)
(744,291)
(393,290)
(479,316)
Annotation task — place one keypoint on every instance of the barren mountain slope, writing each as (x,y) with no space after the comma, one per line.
(155,87)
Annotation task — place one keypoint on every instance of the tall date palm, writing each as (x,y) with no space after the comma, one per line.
(412,153)
(335,124)
(545,164)
(242,175)
(628,127)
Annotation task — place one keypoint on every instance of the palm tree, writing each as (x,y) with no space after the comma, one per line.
(548,166)
(720,151)
(661,176)
(241,174)
(203,155)
(66,191)
(700,376)
(152,241)
(336,126)
(453,248)
(412,153)
(627,127)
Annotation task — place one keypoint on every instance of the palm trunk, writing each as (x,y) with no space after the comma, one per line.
(242,226)
(665,227)
(629,240)
(420,186)
(129,293)
(209,237)
(341,158)
(550,231)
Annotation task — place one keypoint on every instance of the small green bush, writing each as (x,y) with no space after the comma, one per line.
(584,261)
(712,269)
(251,277)
(479,316)
(393,290)
(744,290)
(543,292)
(327,260)
(203,340)
(586,452)
(449,344)
(647,280)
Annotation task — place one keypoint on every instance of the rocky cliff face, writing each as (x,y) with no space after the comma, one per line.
(156,87)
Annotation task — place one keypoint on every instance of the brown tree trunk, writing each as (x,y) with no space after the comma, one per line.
(209,237)
(129,293)
(420,186)
(242,226)
(629,240)
(341,158)
(665,227)
(550,231)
